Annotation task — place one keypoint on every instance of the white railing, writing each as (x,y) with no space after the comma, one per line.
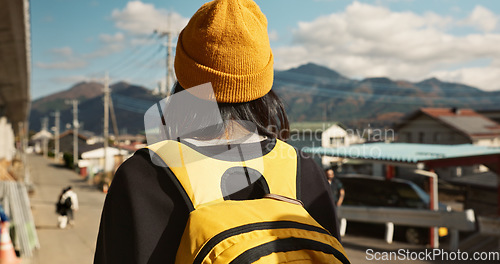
(14,198)
(454,221)
(489,226)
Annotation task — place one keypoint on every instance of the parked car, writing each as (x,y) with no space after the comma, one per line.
(363,190)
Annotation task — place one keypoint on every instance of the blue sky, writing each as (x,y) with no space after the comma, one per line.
(452,40)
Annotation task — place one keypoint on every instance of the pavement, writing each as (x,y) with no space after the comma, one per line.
(76,245)
(73,245)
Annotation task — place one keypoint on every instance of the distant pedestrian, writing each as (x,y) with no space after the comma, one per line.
(66,206)
(336,186)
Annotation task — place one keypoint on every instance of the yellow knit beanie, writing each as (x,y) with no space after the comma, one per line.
(226,43)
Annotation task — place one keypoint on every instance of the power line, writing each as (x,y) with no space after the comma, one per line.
(394,99)
(117,64)
(143,62)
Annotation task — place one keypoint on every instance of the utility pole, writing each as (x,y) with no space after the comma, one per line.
(170,67)
(57,129)
(106,120)
(45,124)
(115,128)
(75,130)
(113,119)
(170,77)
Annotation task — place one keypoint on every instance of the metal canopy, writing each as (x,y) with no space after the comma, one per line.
(431,156)
(15,60)
(406,152)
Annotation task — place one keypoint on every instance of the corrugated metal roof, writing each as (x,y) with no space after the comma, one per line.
(404,152)
(465,120)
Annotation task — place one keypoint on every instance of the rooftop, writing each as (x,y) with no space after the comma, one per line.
(466,121)
(405,152)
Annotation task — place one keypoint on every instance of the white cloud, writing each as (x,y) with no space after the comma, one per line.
(64,58)
(67,59)
(144,41)
(139,18)
(105,51)
(62,65)
(273,35)
(367,40)
(117,37)
(484,77)
(482,19)
(63,52)
(109,44)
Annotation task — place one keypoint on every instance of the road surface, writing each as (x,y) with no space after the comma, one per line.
(74,245)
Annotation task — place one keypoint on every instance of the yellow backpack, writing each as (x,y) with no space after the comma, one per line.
(272,229)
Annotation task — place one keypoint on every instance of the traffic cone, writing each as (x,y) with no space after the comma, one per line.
(7,253)
(105,188)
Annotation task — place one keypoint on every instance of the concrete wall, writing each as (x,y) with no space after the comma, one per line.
(7,143)
(490,142)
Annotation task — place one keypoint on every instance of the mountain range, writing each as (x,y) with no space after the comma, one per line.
(310,93)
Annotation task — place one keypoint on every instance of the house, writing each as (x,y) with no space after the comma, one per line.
(448,126)
(338,135)
(38,139)
(94,159)
(323,134)
(66,142)
(493,114)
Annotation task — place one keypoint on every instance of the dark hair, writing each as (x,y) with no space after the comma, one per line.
(266,113)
